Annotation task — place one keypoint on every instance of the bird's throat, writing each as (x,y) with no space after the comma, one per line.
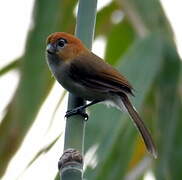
(53,59)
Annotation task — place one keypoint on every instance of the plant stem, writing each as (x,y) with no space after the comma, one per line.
(75,125)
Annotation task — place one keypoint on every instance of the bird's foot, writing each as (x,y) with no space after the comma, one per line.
(76,111)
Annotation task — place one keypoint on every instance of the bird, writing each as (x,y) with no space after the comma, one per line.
(88,76)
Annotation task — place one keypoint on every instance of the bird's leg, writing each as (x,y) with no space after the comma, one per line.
(79,110)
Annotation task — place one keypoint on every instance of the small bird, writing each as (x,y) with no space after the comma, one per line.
(86,75)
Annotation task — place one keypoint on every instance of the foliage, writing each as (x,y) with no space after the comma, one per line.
(141,46)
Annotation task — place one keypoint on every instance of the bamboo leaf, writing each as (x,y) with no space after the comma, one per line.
(13,65)
(55,110)
(119,40)
(147,16)
(169,117)
(42,151)
(35,82)
(114,152)
(103,21)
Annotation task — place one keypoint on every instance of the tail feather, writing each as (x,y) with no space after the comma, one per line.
(140,125)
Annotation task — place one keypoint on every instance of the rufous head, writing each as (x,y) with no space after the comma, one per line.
(64,45)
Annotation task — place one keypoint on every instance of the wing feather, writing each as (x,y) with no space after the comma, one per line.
(96,74)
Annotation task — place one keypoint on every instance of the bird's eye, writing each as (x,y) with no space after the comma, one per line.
(61,43)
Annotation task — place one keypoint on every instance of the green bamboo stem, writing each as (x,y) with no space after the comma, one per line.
(75,125)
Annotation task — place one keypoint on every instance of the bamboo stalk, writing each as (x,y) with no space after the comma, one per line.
(71,165)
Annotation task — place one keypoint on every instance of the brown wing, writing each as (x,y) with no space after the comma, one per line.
(96,74)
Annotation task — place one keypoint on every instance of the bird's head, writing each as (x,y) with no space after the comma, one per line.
(64,46)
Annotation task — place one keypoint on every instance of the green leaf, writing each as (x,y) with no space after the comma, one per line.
(119,40)
(36,80)
(13,65)
(42,151)
(55,110)
(169,117)
(148,15)
(112,132)
(103,21)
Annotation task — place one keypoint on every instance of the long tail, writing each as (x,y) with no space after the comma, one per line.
(140,125)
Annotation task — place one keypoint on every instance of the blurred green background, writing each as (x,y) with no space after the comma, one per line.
(139,43)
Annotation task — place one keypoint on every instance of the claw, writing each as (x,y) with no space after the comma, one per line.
(76,111)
